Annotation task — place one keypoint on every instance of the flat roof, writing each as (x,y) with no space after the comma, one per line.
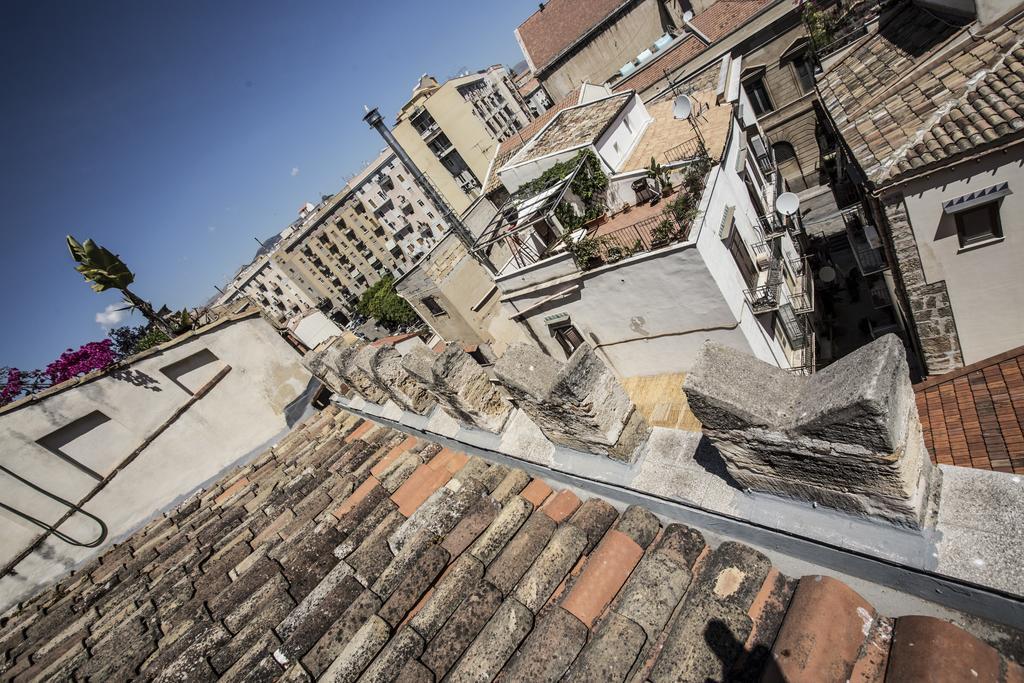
(668,139)
(574,127)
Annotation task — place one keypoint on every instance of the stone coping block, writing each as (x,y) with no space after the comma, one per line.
(579,404)
(460,386)
(847,437)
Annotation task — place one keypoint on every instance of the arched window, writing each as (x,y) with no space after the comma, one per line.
(783,152)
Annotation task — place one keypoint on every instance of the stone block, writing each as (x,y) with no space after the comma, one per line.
(579,404)
(322,363)
(848,437)
(460,386)
(384,364)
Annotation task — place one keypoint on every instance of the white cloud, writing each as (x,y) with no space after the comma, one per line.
(211,228)
(111,316)
(295,171)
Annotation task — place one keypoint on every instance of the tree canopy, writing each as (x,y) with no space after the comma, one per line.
(382,303)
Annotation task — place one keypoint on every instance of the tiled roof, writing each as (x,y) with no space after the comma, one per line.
(974,417)
(576,126)
(921,92)
(719,20)
(511,145)
(724,16)
(559,23)
(353,551)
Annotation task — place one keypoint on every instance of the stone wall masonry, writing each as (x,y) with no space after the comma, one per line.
(847,437)
(322,362)
(930,307)
(383,365)
(354,366)
(460,386)
(579,403)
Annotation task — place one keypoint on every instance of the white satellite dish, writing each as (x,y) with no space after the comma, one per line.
(687,16)
(787,203)
(682,108)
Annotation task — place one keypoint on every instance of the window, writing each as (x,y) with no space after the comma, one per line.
(193,372)
(783,152)
(568,337)
(757,93)
(804,68)
(434,307)
(979,224)
(742,258)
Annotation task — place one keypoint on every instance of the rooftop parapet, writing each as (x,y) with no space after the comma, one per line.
(322,363)
(384,364)
(579,403)
(847,437)
(460,386)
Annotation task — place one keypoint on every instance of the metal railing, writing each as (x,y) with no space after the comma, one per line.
(772,225)
(645,235)
(869,259)
(691,149)
(763,299)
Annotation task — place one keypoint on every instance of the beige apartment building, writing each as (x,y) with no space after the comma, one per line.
(379,224)
(270,288)
(451,129)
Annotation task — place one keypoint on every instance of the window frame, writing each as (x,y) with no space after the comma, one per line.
(431,303)
(996,225)
(758,78)
(560,331)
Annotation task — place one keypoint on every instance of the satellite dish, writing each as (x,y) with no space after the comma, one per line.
(687,16)
(682,108)
(787,203)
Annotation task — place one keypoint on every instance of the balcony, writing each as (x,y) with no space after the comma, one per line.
(763,299)
(865,242)
(772,225)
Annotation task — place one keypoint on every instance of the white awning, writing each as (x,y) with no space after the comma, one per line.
(976,198)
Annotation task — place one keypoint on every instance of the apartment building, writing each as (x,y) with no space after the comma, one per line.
(451,129)
(270,288)
(935,137)
(379,224)
(647,269)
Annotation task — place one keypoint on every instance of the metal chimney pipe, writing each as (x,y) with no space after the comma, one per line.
(376,121)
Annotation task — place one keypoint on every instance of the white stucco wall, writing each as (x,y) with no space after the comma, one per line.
(984,282)
(315,328)
(650,314)
(622,136)
(242,412)
(647,315)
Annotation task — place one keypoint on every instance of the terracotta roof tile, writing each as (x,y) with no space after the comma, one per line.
(532,594)
(922,91)
(974,416)
(559,23)
(511,145)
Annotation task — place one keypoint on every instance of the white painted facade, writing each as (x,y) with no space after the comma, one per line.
(70,437)
(983,280)
(314,328)
(650,313)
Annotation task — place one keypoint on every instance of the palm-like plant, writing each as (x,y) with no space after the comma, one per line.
(107,271)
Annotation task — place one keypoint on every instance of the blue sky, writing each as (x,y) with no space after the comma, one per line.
(174,132)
